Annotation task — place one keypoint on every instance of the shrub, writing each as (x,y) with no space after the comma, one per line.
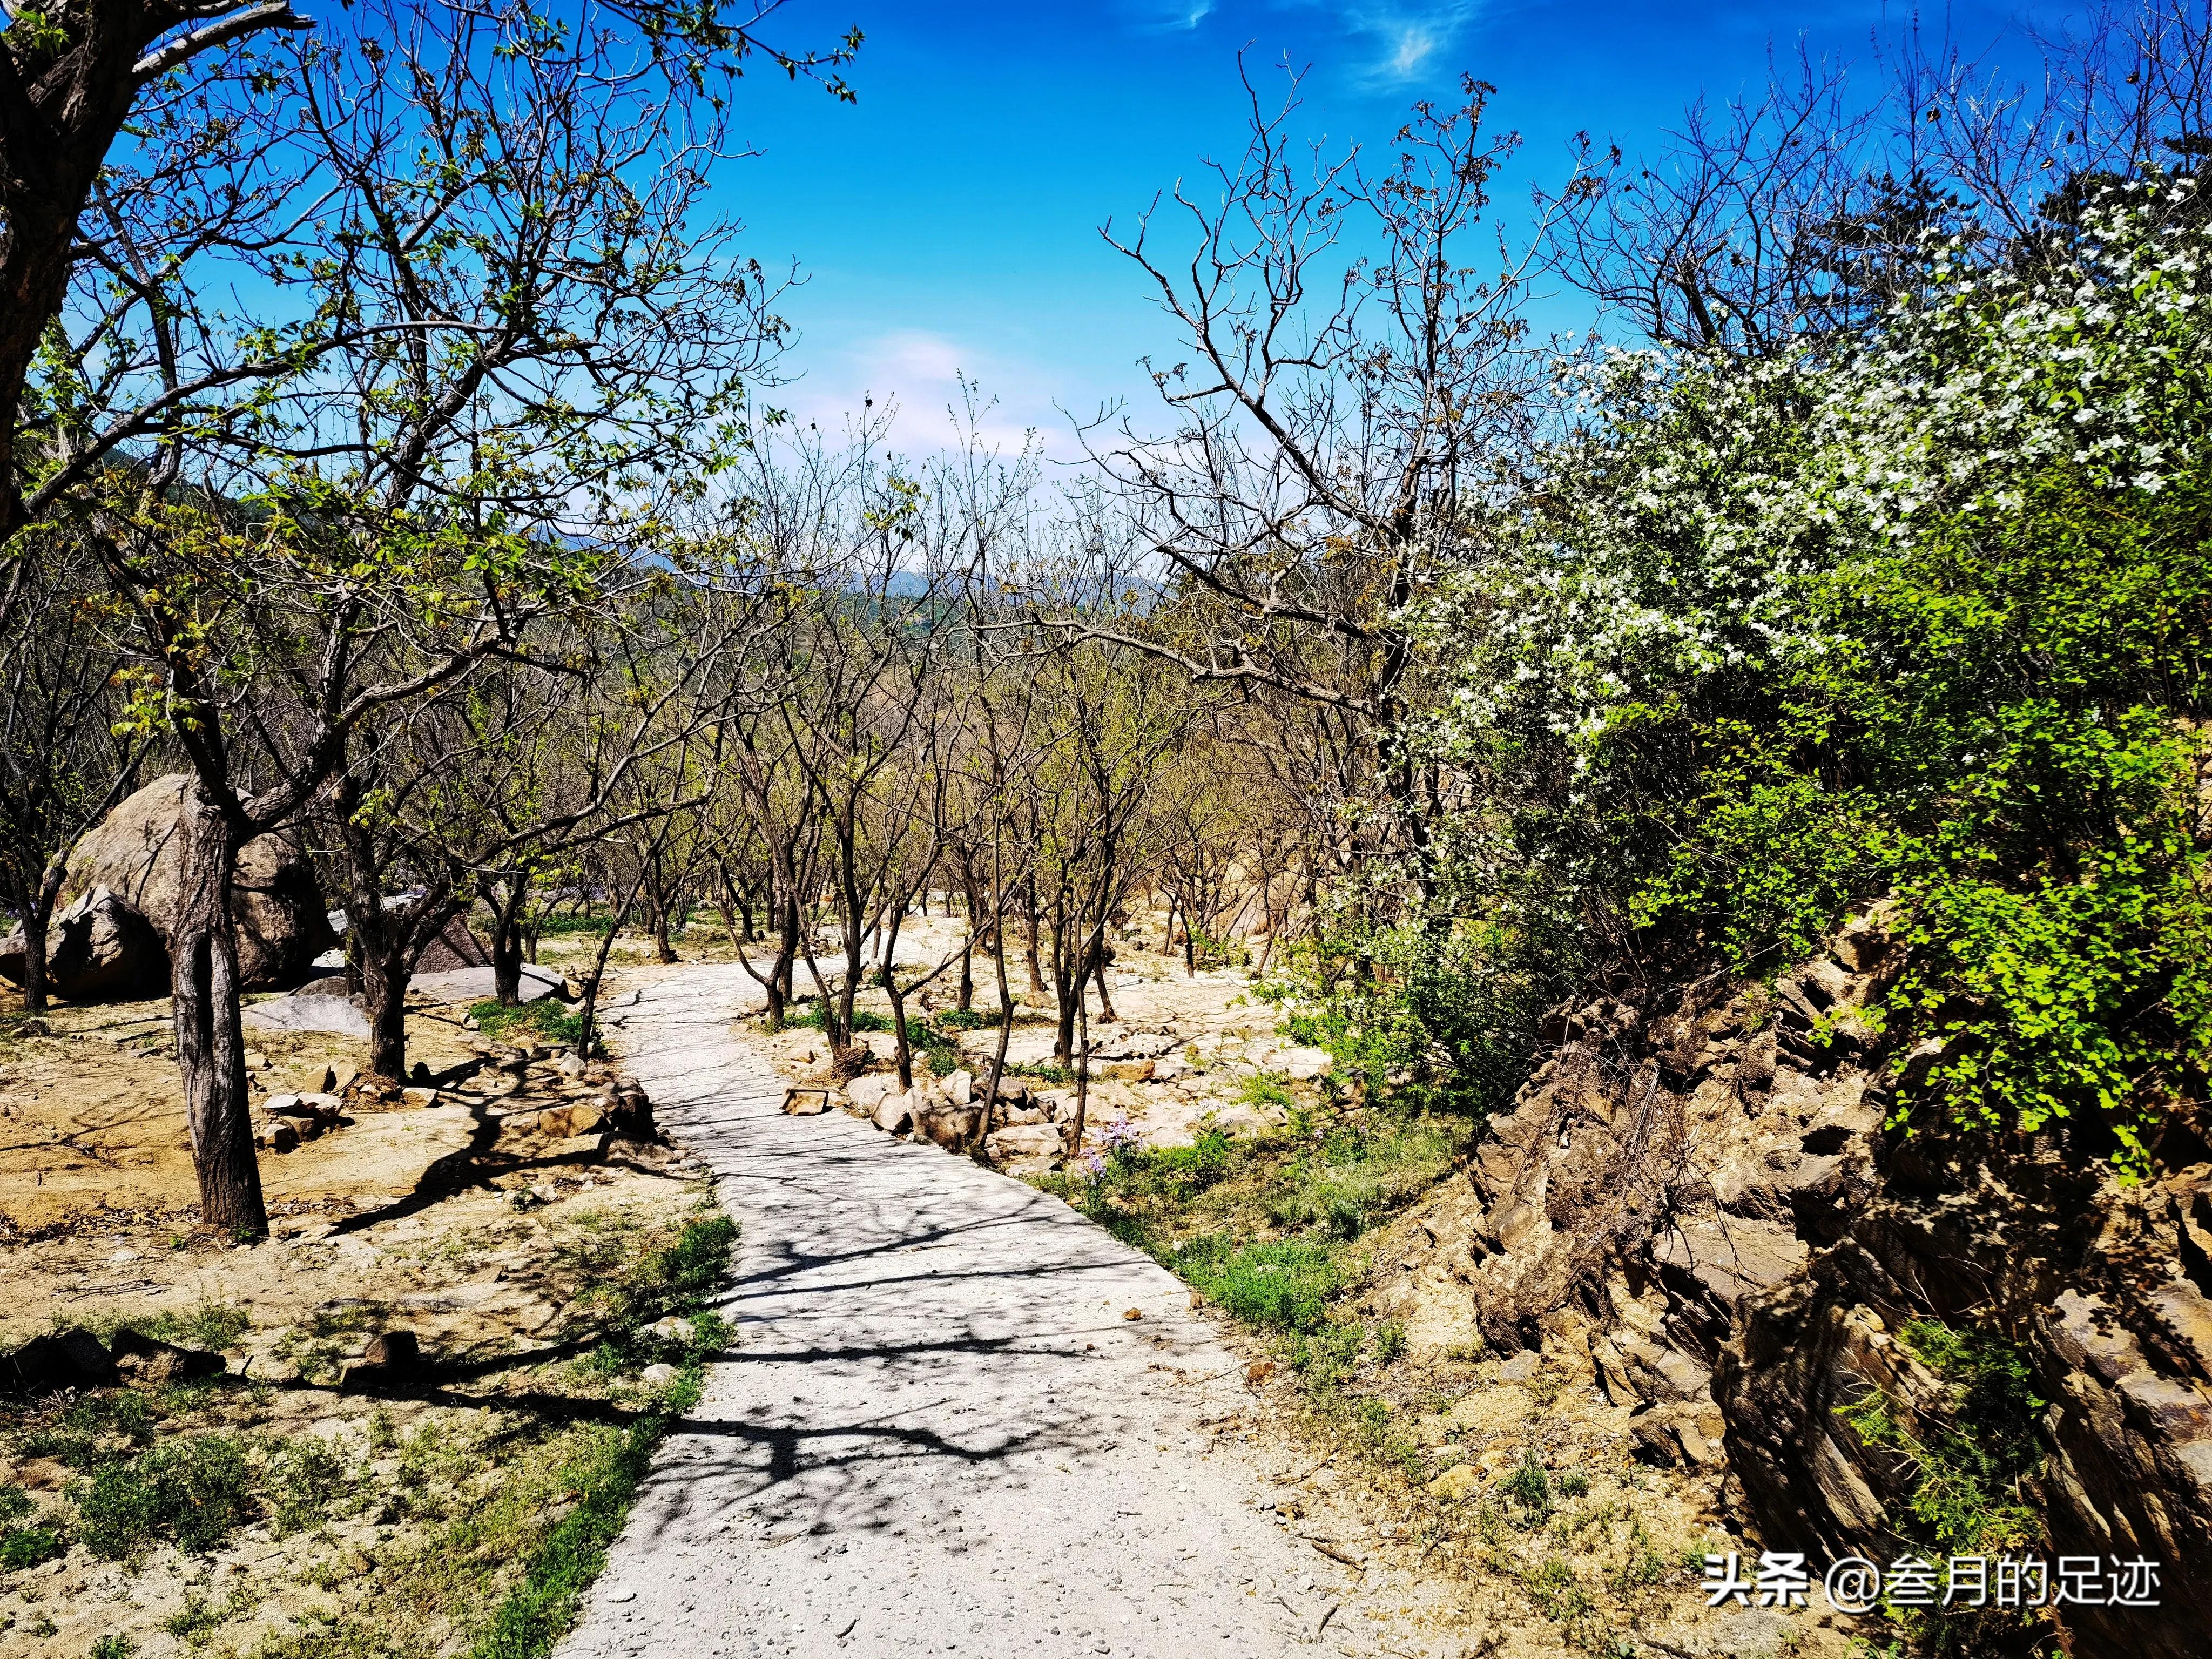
(1968,1472)
(196,1491)
(304,1477)
(1528,1488)
(1390,1342)
(1925,618)
(27,1546)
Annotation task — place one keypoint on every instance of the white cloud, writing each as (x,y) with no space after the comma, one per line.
(1411,38)
(1171,16)
(916,375)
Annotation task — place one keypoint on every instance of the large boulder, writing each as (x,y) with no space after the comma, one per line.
(453,947)
(99,949)
(137,854)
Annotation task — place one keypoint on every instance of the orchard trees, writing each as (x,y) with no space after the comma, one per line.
(499,327)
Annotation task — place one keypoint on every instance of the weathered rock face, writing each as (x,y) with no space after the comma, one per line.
(137,854)
(1707,1199)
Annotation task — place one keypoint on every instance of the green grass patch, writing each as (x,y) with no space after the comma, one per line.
(213,1326)
(602,1481)
(1284,1285)
(964,1019)
(569,926)
(814,1015)
(547,1017)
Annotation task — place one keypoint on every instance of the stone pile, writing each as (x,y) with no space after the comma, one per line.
(1024,1128)
(540,1100)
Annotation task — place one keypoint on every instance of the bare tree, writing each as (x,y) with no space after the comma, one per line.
(64,757)
(1356,382)
(1807,212)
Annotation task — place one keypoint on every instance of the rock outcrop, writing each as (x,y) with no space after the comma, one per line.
(1707,1201)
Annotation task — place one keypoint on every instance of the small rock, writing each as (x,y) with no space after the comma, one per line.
(1522,1368)
(1036,1140)
(282,1138)
(65,1359)
(658,1376)
(960,1087)
(670,1329)
(1457,1482)
(394,1350)
(1133,1313)
(573,1065)
(255,1060)
(145,1363)
(419,1096)
(894,1114)
(867,1092)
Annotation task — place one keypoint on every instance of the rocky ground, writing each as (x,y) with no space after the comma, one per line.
(353,1435)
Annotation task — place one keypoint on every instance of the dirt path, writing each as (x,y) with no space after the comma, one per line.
(936,1431)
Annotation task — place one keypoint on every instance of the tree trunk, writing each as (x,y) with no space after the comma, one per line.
(506,897)
(36,915)
(588,1014)
(210,1043)
(1067,985)
(383,976)
(1006,1030)
(1082,1077)
(726,899)
(1029,915)
(657,900)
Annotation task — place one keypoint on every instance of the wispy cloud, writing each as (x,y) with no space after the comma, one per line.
(1411,42)
(1169,16)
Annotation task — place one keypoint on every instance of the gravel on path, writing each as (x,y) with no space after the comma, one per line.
(936,1431)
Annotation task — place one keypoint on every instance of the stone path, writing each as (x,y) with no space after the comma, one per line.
(936,1431)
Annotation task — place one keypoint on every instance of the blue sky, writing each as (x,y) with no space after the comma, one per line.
(949,220)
